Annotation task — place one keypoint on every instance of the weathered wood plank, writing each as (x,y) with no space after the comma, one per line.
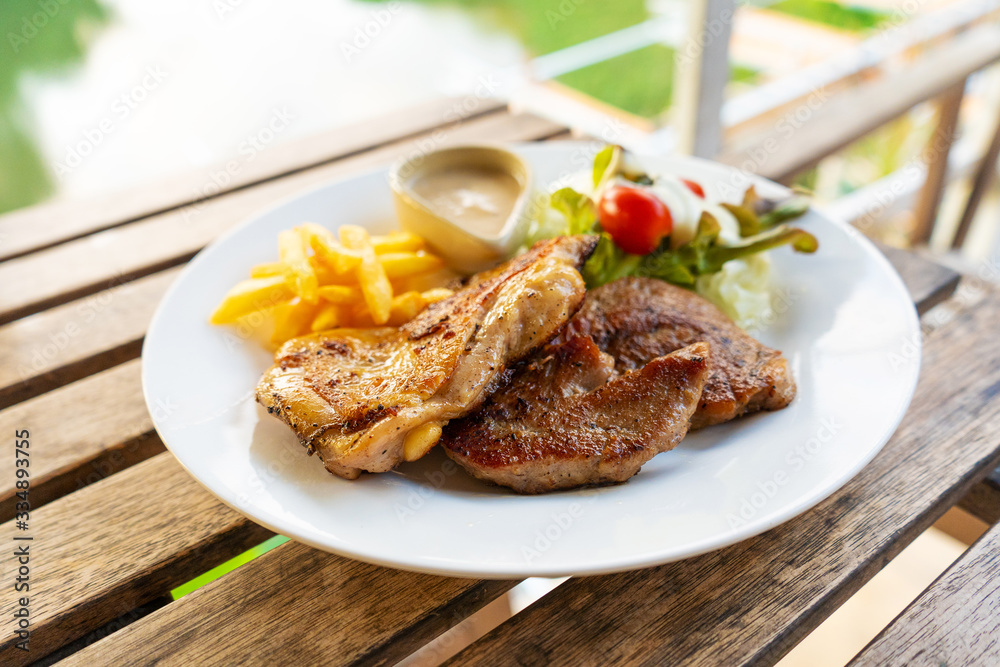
(117,544)
(826,123)
(90,430)
(307,607)
(955,622)
(983,500)
(928,282)
(48,224)
(50,349)
(750,603)
(125,253)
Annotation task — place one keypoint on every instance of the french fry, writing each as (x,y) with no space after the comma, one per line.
(401,264)
(269,270)
(374,283)
(343,294)
(292,320)
(328,250)
(421,282)
(250,296)
(397,242)
(329,316)
(325,275)
(359,317)
(405,307)
(292,251)
(322,281)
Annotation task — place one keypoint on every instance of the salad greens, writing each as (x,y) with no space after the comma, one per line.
(760,221)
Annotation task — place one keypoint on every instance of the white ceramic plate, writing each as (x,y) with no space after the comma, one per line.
(849,330)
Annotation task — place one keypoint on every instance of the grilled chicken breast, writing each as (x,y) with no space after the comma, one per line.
(365,398)
(636,320)
(564,420)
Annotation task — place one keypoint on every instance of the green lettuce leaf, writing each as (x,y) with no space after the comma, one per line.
(608,263)
(604,162)
(578,209)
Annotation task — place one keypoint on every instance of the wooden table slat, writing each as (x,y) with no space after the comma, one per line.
(90,430)
(50,223)
(955,622)
(929,283)
(750,603)
(983,501)
(306,607)
(117,544)
(69,342)
(123,253)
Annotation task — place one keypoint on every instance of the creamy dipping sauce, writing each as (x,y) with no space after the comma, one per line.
(479,199)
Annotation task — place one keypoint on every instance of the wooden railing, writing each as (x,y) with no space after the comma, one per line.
(790,124)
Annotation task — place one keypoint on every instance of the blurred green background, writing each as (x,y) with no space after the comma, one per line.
(47,46)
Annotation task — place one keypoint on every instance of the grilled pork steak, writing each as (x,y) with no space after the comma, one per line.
(563,420)
(354,395)
(636,320)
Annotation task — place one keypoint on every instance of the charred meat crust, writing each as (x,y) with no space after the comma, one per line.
(636,320)
(563,420)
(352,395)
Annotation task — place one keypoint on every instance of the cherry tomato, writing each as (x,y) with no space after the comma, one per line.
(635,218)
(694,187)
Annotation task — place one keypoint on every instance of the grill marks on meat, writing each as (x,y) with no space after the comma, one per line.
(636,320)
(564,420)
(352,395)
(640,363)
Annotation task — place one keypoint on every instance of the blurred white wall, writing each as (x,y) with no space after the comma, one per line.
(170,85)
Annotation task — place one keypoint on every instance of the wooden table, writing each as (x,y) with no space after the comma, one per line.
(115,523)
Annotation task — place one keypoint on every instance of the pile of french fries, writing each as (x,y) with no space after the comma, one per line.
(321,282)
